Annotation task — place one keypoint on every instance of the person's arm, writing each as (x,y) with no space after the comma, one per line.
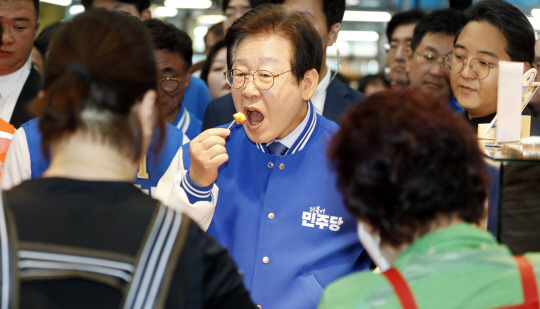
(17,166)
(194,192)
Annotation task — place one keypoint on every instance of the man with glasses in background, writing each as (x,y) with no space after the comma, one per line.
(534,103)
(433,39)
(25,159)
(173,51)
(495,30)
(264,188)
(399,33)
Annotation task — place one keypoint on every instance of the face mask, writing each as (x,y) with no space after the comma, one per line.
(372,246)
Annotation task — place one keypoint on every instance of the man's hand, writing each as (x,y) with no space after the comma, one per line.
(207,152)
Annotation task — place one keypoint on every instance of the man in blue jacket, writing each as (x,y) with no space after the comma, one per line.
(264,189)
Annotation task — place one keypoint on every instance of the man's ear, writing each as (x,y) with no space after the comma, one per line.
(333,33)
(408,57)
(309,84)
(187,78)
(146,15)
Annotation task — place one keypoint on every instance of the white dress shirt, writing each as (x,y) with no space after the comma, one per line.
(10,88)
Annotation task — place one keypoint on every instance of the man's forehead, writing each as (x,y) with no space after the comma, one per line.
(167,59)
(17,9)
(307,7)
(403,32)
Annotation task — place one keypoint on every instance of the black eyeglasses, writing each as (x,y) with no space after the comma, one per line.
(429,57)
(170,84)
(479,67)
(262,78)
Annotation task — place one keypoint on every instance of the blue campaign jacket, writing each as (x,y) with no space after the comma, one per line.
(282,218)
(151,169)
(188,123)
(196,97)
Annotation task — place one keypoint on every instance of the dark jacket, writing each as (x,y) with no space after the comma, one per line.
(29,91)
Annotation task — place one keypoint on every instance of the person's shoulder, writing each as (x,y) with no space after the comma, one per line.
(344,292)
(534,257)
(222,99)
(326,125)
(197,82)
(346,91)
(221,104)
(32,123)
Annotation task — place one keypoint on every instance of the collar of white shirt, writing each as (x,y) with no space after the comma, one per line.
(9,83)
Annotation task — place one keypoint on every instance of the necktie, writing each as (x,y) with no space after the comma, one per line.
(277,148)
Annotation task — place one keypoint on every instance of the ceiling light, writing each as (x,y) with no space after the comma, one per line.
(165,11)
(209,19)
(358,36)
(367,16)
(189,4)
(76,9)
(535,22)
(58,2)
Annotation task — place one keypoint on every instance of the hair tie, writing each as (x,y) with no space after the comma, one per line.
(79,69)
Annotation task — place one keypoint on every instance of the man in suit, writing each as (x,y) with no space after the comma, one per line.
(432,40)
(399,33)
(19,82)
(332,97)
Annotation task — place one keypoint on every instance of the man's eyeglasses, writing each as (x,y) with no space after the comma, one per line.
(479,67)
(170,84)
(429,57)
(262,78)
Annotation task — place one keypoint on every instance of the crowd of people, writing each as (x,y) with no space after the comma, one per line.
(129,183)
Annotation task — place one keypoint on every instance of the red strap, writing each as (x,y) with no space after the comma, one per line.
(400,288)
(528,281)
(528,284)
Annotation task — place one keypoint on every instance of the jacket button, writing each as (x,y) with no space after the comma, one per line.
(265,260)
(271,216)
(259,306)
(270,165)
(282,166)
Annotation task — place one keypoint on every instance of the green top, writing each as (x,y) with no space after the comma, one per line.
(457,267)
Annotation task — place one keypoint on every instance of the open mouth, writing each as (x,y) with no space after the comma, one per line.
(254,117)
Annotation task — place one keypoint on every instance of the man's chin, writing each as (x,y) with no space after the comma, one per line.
(257,138)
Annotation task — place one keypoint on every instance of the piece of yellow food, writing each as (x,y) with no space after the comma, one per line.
(239,118)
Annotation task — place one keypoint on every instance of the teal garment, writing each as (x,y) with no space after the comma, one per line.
(457,267)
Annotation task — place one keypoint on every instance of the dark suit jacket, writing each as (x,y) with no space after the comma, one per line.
(339,97)
(29,91)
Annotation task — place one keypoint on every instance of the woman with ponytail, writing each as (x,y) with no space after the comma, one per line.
(83,236)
